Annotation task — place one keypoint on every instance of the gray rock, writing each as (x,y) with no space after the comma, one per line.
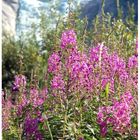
(9,15)
(93,8)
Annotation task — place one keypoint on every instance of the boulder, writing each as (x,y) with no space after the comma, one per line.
(9,15)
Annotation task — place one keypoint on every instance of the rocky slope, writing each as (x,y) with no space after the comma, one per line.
(9,14)
(93,7)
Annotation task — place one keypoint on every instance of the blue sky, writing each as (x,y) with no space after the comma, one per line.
(30,11)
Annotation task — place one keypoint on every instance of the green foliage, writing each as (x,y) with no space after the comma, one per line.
(29,56)
(10,60)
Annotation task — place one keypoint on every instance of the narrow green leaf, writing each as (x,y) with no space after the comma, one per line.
(107,90)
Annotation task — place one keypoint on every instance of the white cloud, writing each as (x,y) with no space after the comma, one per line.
(34,3)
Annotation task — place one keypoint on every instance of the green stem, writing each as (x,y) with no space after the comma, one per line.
(49,130)
(65,120)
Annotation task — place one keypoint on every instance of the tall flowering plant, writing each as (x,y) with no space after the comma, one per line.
(89,94)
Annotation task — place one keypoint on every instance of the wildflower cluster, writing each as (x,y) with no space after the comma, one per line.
(78,80)
(118,116)
(20,81)
(68,39)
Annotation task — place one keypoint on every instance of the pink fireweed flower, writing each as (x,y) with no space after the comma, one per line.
(118,115)
(44,92)
(54,63)
(37,98)
(57,82)
(133,62)
(20,82)
(80,71)
(23,102)
(103,129)
(34,97)
(68,38)
(133,71)
(112,68)
(81,74)
(103,120)
(6,114)
(121,116)
(73,56)
(118,67)
(31,128)
(98,54)
(107,80)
